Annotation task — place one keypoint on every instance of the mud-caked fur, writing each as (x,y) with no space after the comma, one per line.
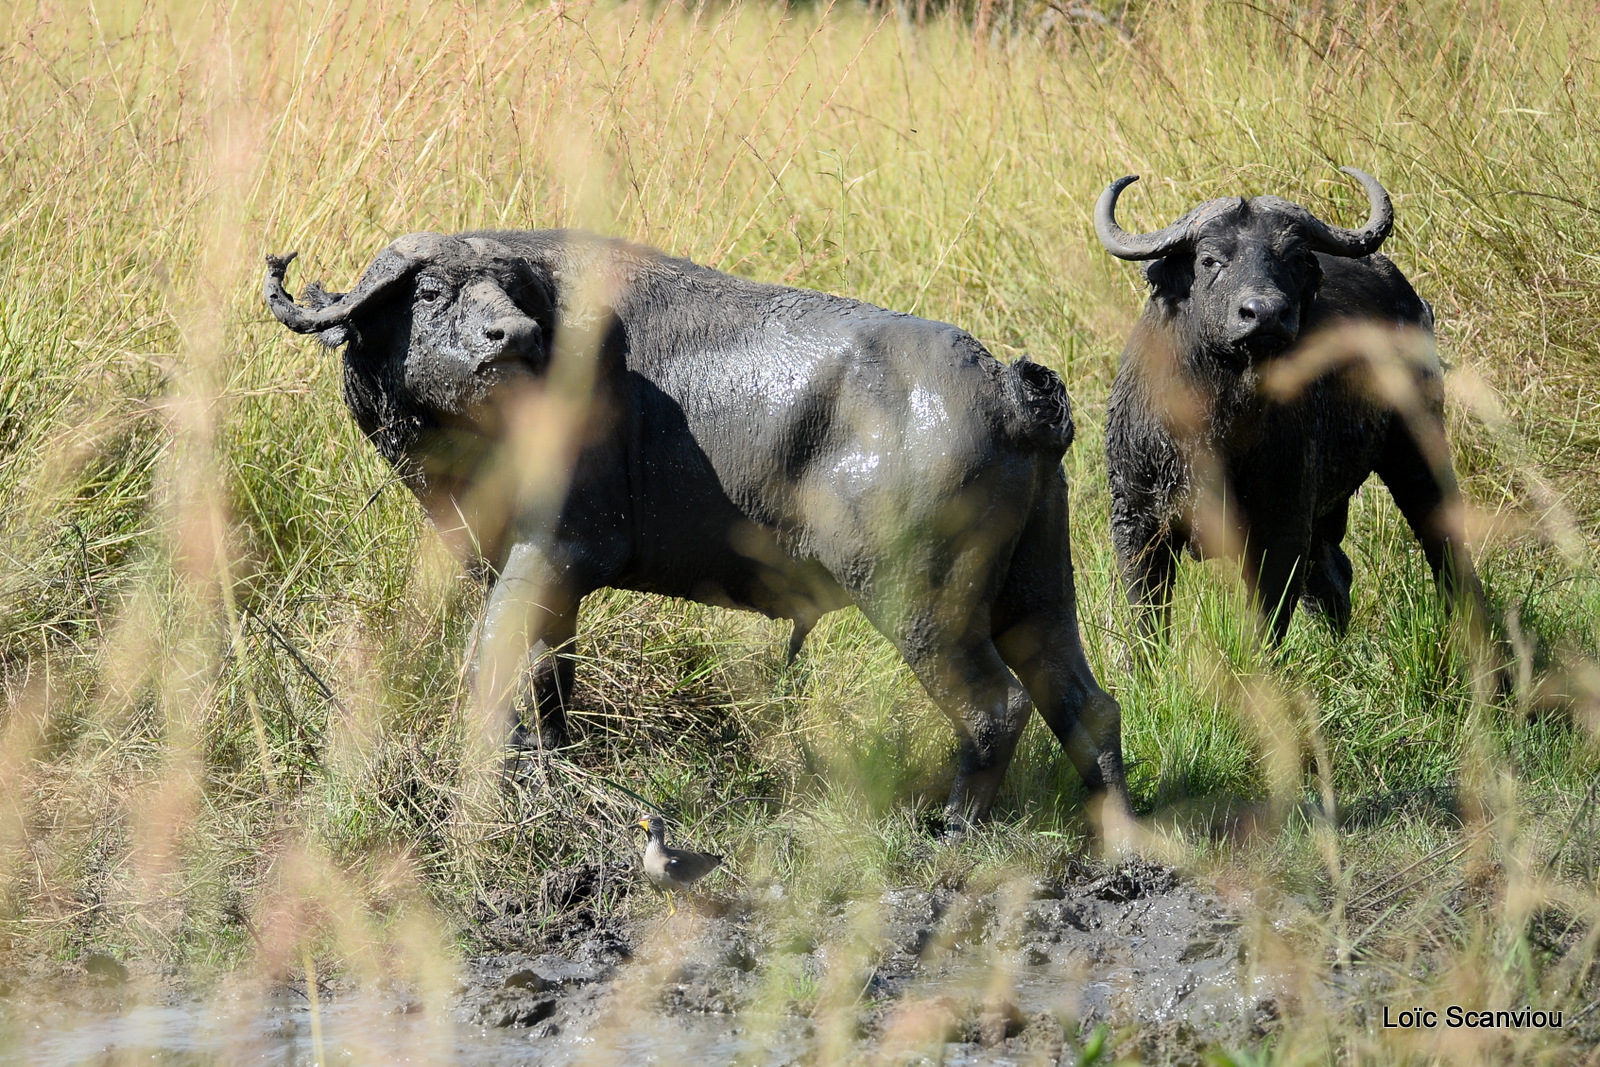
(747,445)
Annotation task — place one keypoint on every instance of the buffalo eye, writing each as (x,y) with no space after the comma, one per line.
(1209,263)
(428,294)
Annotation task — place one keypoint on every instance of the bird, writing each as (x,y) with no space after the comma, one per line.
(672,868)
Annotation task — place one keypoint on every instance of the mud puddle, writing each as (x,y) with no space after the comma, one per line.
(1012,975)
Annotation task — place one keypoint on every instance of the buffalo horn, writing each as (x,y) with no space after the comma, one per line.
(388,268)
(1337,241)
(1125,245)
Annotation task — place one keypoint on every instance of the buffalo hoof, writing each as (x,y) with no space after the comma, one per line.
(541,737)
(1115,824)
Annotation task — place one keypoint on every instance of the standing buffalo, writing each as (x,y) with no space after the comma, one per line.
(1279,361)
(745,445)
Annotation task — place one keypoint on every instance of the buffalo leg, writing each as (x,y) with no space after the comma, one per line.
(529,609)
(1047,656)
(550,688)
(1431,504)
(1427,496)
(970,683)
(1148,575)
(988,732)
(1275,569)
(1036,623)
(1149,563)
(1329,573)
(942,634)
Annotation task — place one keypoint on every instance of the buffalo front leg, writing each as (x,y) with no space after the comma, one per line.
(541,711)
(530,612)
(1275,569)
(1329,573)
(1148,569)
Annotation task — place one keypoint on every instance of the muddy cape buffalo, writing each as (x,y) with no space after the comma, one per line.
(1279,361)
(745,445)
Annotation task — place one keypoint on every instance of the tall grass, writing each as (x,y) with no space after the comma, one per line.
(233,652)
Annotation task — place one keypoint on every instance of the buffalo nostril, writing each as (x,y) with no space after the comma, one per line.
(1254,310)
(509,335)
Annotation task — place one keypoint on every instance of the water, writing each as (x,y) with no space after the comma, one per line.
(357,1032)
(342,1033)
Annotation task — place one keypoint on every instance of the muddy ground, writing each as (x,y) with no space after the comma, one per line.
(1019,973)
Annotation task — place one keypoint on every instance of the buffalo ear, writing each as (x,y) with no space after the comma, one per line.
(1170,277)
(315,296)
(539,295)
(1313,282)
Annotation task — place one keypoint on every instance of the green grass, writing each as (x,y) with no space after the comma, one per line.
(232,650)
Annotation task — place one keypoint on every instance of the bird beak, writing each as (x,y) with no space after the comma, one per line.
(643,824)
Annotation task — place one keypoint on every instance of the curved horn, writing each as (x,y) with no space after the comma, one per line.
(1125,245)
(1337,241)
(390,267)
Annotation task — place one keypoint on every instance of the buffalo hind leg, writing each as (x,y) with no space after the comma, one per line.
(1047,656)
(963,672)
(1431,504)
(986,743)
(988,708)
(1035,622)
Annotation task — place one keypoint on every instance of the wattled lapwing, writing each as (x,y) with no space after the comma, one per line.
(672,868)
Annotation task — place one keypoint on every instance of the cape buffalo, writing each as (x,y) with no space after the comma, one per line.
(1278,362)
(746,445)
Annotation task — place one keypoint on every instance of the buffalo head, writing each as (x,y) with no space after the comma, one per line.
(1237,275)
(478,318)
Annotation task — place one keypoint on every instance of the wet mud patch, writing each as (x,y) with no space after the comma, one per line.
(1015,973)
(565,906)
